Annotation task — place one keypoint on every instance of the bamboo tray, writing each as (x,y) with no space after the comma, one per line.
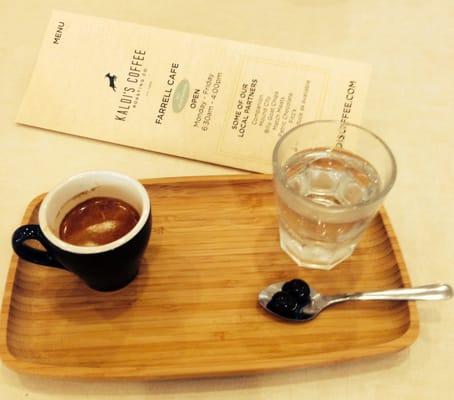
(193,311)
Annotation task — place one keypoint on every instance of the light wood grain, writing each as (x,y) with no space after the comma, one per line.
(193,309)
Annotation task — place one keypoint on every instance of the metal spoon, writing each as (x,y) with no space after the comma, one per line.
(319,302)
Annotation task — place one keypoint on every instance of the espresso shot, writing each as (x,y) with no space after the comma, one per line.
(95,225)
(98,221)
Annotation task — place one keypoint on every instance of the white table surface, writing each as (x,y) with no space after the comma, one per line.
(410,45)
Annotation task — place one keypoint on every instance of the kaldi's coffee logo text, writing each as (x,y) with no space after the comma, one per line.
(112,79)
(132,87)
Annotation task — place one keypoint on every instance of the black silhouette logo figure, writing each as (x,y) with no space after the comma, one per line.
(112,80)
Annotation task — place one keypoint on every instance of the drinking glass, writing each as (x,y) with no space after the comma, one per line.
(330,179)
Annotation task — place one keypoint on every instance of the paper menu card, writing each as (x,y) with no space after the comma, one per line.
(188,95)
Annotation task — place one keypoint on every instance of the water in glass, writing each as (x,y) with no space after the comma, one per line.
(315,227)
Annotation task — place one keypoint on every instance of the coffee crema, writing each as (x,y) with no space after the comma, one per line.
(98,221)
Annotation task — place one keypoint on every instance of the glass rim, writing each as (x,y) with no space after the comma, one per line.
(277,171)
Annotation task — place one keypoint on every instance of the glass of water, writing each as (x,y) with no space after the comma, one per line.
(330,179)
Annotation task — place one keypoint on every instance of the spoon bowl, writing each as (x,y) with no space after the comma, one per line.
(318,302)
(267,294)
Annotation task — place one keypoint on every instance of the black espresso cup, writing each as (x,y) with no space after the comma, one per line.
(105,267)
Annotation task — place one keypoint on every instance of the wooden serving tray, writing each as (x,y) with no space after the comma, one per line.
(193,310)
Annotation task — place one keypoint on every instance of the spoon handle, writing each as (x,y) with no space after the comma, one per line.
(427,292)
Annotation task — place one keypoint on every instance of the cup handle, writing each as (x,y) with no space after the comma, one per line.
(33,232)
